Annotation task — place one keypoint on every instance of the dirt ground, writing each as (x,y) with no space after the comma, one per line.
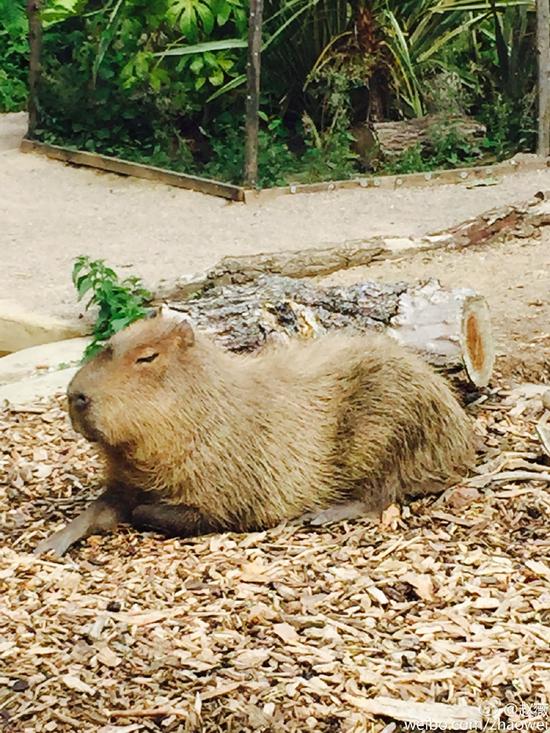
(50,213)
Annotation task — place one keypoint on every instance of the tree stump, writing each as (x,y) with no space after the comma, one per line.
(450,328)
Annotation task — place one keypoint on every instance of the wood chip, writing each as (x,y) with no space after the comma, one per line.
(448,717)
(340,627)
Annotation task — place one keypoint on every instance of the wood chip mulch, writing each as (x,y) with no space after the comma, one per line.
(292,629)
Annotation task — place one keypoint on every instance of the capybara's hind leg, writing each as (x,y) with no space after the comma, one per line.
(340,512)
(172,520)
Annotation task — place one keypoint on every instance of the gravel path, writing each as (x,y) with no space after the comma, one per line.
(50,213)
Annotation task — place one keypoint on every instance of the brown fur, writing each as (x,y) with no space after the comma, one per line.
(251,440)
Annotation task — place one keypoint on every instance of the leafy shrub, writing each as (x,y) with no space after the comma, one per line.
(275,160)
(119,302)
(14,52)
(117,80)
(446,149)
(511,126)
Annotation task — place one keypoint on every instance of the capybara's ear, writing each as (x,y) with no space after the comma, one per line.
(185,334)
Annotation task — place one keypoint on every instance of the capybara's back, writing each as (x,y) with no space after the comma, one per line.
(251,440)
(400,429)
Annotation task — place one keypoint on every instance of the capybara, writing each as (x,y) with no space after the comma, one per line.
(197,439)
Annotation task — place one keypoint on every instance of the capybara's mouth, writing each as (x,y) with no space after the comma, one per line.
(82,425)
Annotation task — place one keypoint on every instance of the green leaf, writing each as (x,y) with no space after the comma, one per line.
(223,14)
(233,84)
(197,65)
(107,37)
(228,43)
(119,323)
(216,78)
(206,17)
(83,284)
(188,20)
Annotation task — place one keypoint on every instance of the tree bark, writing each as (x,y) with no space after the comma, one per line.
(253,92)
(35,46)
(543,51)
(450,328)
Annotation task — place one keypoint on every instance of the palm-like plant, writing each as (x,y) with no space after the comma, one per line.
(304,36)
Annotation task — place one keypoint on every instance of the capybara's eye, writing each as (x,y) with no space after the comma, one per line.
(147,359)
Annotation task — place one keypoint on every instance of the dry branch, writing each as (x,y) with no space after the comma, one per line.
(253,92)
(519,220)
(450,328)
(35,50)
(543,53)
(149,713)
(543,431)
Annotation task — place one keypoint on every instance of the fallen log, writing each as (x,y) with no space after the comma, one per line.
(396,137)
(520,220)
(450,328)
(517,220)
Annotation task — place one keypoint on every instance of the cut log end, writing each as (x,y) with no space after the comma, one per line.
(451,328)
(477,345)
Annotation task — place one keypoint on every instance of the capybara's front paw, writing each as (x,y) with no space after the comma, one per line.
(57,544)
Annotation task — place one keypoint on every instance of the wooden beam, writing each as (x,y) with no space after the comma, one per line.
(127,168)
(470,177)
(35,47)
(253,93)
(543,52)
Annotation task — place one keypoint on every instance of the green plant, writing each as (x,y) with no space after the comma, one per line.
(410,160)
(117,80)
(508,73)
(328,155)
(119,302)
(14,51)
(226,159)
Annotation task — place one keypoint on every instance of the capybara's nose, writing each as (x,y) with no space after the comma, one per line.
(79,401)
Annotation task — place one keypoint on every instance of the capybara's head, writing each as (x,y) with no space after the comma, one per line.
(127,390)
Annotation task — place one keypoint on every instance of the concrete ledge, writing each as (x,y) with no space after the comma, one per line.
(21,329)
(28,391)
(39,360)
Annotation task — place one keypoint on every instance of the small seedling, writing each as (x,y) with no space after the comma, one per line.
(119,302)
